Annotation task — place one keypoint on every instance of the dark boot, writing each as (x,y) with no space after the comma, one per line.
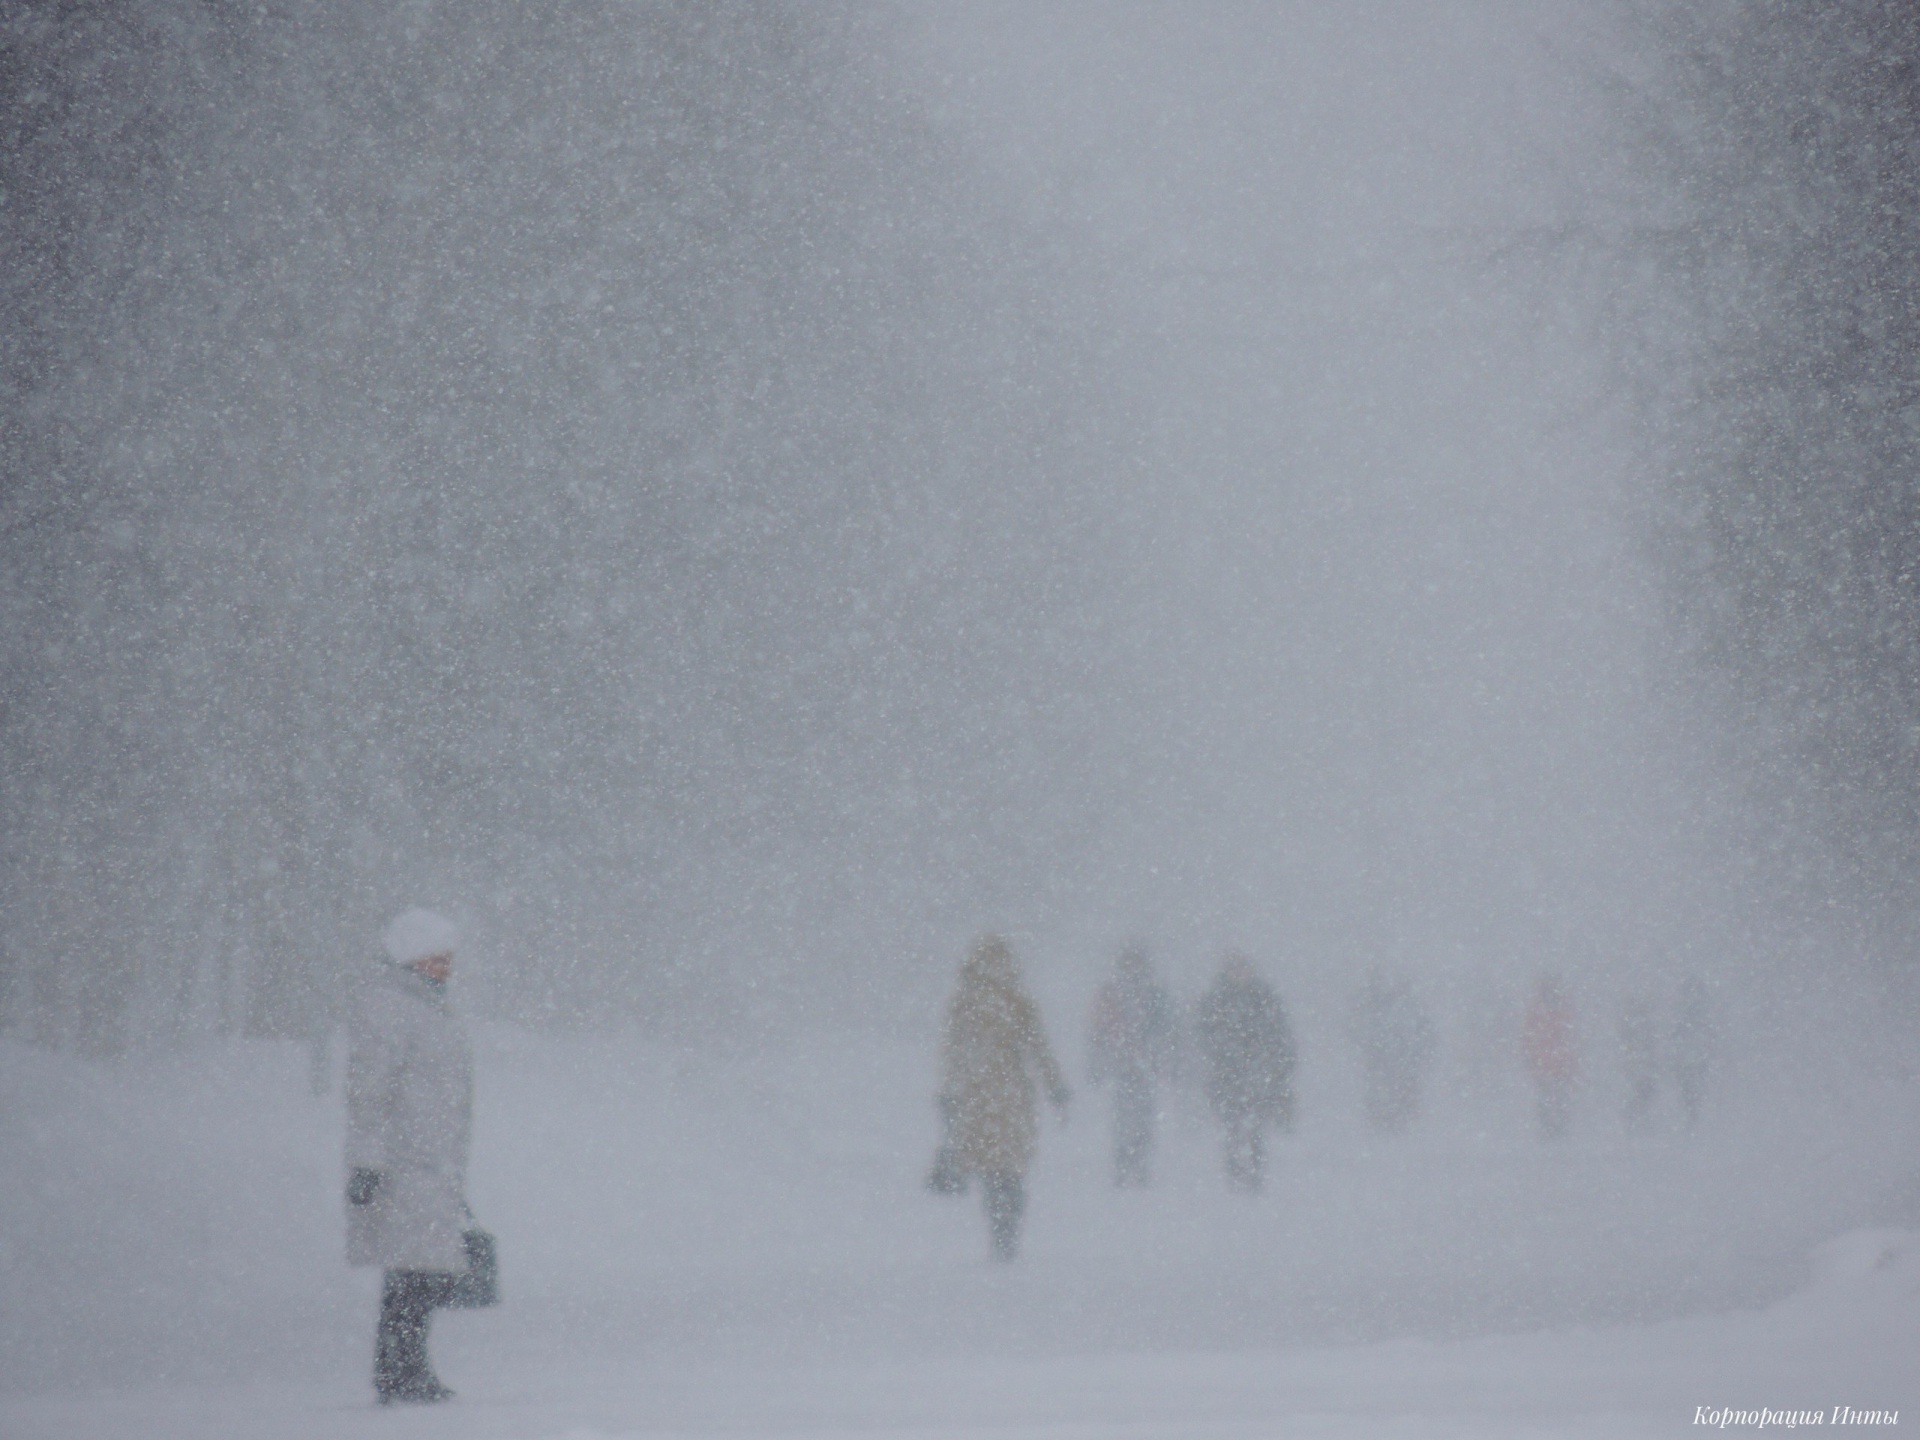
(401,1373)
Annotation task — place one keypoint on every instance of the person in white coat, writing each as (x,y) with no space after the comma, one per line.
(409,1113)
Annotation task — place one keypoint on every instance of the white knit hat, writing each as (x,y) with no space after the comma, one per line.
(417,933)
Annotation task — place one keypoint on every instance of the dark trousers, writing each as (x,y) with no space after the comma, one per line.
(1006,1197)
(408,1299)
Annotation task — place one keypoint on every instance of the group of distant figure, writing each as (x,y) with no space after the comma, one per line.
(1244,1044)
(1649,1052)
(996,1061)
(410,1099)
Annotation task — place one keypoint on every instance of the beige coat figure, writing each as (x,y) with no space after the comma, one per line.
(994,1051)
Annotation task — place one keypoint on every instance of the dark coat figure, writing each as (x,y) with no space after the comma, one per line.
(1552,1056)
(993,1052)
(409,1114)
(1247,1051)
(1131,1045)
(1395,1037)
(1639,1059)
(1692,1046)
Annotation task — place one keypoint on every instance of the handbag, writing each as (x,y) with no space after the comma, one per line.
(479,1285)
(948,1176)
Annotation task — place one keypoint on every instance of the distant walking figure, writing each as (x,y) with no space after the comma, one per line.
(1640,1059)
(1692,1047)
(993,1053)
(1395,1038)
(409,1111)
(1131,1044)
(1246,1047)
(1553,1062)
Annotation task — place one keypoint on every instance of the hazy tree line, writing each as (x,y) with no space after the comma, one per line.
(536,453)
(610,462)
(1779,375)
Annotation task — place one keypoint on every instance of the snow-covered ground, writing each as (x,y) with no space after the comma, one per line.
(705,1239)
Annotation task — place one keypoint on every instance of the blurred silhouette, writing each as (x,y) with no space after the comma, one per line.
(1639,1036)
(1692,1046)
(993,1052)
(409,1115)
(1132,1043)
(1395,1037)
(1247,1052)
(1547,1043)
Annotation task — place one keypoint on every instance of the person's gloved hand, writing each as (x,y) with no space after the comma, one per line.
(363,1186)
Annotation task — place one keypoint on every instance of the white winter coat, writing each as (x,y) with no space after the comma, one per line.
(409,1113)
